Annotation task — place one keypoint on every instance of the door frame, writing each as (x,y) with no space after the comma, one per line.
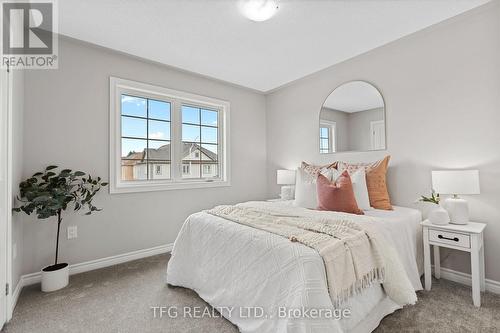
(372,125)
(6,169)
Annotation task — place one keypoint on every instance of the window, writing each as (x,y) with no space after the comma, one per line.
(199,139)
(165,139)
(207,169)
(324,140)
(145,135)
(327,137)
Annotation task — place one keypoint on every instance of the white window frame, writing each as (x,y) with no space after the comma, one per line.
(332,135)
(117,87)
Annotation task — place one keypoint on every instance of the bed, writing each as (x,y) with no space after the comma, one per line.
(254,278)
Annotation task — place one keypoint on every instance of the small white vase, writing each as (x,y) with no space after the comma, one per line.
(55,277)
(439,216)
(426,208)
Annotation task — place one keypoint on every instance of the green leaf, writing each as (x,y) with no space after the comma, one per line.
(47,193)
(41,199)
(50,167)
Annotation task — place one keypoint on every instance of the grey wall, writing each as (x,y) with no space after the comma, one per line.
(342,126)
(17,165)
(442,92)
(359,128)
(66,114)
(353,129)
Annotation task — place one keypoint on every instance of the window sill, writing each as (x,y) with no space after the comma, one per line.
(154,187)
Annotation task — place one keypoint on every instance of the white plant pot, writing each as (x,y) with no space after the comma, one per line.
(439,216)
(426,208)
(55,277)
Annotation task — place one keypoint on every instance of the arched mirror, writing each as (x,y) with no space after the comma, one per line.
(352,119)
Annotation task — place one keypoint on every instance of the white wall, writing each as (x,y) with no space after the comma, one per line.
(442,92)
(17,165)
(359,128)
(353,129)
(66,114)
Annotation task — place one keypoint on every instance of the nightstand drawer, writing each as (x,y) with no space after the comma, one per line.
(450,238)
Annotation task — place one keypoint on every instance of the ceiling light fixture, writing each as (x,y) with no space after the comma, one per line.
(259,10)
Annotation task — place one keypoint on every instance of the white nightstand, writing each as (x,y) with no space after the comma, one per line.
(468,238)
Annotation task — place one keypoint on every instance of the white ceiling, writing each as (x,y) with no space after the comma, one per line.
(212,38)
(354,96)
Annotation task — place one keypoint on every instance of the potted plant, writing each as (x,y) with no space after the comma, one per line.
(50,193)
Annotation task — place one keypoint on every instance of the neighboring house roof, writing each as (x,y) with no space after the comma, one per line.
(132,158)
(163,153)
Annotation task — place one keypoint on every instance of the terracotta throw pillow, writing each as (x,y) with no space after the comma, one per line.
(337,196)
(375,181)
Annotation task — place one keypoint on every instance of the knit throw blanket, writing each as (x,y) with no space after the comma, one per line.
(352,258)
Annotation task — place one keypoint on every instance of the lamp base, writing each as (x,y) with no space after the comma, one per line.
(287,192)
(458,209)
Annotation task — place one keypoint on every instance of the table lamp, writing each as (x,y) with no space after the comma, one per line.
(456,182)
(287,178)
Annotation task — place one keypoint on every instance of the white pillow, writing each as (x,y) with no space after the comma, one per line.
(358,179)
(306,194)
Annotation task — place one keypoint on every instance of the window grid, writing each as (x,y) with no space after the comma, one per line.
(147,138)
(128,117)
(200,141)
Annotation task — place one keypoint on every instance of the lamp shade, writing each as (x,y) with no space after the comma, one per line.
(285,177)
(456,181)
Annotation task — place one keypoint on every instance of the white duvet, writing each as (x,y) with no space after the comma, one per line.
(262,282)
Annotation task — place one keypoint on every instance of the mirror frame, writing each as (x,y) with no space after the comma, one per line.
(351,151)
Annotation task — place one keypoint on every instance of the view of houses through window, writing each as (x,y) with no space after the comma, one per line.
(199,142)
(146,140)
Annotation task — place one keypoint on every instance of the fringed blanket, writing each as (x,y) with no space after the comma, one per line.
(352,258)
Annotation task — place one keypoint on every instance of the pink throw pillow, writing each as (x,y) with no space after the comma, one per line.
(337,196)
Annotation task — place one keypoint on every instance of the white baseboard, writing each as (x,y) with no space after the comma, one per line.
(15,297)
(466,279)
(32,278)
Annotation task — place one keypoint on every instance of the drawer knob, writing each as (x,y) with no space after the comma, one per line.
(452,239)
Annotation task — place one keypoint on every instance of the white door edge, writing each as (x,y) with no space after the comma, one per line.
(6,196)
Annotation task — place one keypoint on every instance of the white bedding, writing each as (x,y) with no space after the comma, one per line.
(232,266)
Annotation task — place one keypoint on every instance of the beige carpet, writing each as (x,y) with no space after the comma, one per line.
(119,299)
